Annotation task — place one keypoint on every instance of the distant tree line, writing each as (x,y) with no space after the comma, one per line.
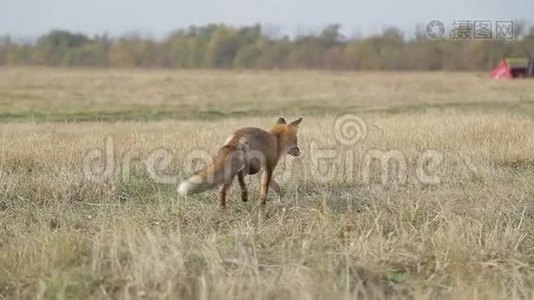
(221,46)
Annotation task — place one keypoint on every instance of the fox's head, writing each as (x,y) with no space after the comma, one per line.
(287,136)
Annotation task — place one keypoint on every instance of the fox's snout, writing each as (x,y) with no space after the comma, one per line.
(295,151)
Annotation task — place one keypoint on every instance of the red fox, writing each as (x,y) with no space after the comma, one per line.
(246,152)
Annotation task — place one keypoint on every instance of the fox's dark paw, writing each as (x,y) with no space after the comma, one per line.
(244,196)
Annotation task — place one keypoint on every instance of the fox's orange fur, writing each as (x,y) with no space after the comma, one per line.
(246,152)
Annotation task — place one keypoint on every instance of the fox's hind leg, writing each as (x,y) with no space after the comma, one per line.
(222,194)
(242,185)
(265,183)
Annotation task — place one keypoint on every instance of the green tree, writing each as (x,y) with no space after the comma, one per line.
(222,48)
(52,47)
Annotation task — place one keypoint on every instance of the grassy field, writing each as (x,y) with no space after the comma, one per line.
(432,198)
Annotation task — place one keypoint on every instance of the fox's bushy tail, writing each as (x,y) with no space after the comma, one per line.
(225,166)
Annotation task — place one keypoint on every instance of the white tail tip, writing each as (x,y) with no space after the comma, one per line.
(185,188)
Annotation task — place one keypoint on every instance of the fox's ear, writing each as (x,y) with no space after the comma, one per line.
(281,121)
(296,123)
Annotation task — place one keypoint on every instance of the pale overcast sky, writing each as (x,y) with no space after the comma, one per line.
(30,18)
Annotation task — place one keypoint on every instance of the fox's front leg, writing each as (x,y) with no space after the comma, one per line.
(265,183)
(274,186)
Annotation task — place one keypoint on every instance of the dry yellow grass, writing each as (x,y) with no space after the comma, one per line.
(339,231)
